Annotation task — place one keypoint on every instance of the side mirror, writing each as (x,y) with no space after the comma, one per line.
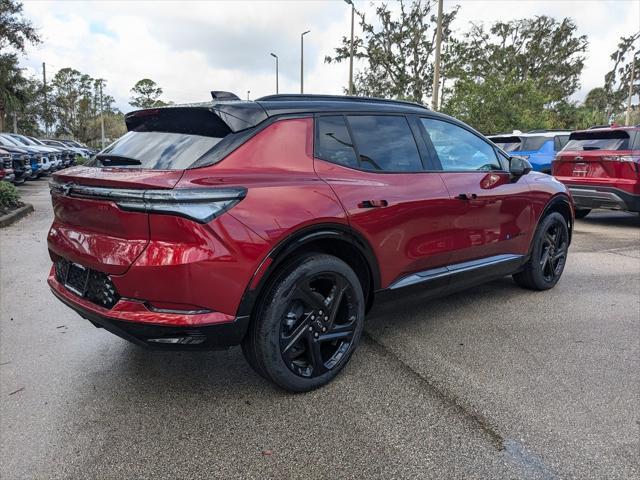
(519,166)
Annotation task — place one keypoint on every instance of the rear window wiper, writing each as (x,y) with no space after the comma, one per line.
(117,161)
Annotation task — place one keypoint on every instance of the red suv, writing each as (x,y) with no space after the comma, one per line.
(274,224)
(601,167)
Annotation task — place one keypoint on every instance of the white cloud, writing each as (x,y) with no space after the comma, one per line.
(190,48)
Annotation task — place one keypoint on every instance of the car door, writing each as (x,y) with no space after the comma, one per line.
(491,213)
(375,166)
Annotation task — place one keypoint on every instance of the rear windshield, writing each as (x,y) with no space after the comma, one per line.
(607,140)
(156,150)
(165,139)
(520,144)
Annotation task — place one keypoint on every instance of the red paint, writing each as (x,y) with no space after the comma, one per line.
(494,219)
(412,232)
(417,223)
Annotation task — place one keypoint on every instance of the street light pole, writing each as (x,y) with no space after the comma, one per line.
(436,68)
(353,11)
(302,60)
(102,139)
(276,57)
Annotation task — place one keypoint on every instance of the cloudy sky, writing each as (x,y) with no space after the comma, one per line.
(190,48)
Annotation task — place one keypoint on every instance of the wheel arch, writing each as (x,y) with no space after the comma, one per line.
(562,204)
(332,238)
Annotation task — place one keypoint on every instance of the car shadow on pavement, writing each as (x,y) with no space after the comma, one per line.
(616,220)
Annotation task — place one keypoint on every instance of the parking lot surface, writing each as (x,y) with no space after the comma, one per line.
(493,382)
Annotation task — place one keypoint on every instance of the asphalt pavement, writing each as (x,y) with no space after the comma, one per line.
(491,383)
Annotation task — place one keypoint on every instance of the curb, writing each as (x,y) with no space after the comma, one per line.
(16,215)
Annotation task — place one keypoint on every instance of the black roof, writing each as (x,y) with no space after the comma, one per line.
(241,114)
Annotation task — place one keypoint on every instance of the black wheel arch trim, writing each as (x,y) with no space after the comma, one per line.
(555,200)
(293,242)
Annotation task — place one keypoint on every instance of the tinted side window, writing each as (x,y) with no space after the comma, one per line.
(560,141)
(334,143)
(385,143)
(459,149)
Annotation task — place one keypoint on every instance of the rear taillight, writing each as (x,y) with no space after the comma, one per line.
(633,160)
(199,204)
(622,158)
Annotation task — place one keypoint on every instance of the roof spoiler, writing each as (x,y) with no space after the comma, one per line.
(222,95)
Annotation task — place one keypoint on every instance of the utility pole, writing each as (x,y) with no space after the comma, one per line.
(46,104)
(15,122)
(436,67)
(633,74)
(302,60)
(101,117)
(353,11)
(276,57)
(248,92)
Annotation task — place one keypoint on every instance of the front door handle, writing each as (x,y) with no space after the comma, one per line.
(373,204)
(467,196)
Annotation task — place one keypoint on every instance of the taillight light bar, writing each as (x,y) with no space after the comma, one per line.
(632,159)
(622,158)
(199,204)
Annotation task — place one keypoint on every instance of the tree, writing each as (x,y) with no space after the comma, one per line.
(398,51)
(518,74)
(541,49)
(76,103)
(617,80)
(146,94)
(15,33)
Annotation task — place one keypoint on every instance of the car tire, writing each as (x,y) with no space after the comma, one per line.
(308,323)
(582,212)
(548,254)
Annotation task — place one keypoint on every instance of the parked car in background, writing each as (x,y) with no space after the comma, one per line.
(20,158)
(68,155)
(274,224)
(50,159)
(601,167)
(82,150)
(6,166)
(539,146)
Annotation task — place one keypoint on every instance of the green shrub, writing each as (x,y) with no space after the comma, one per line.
(9,196)
(80,160)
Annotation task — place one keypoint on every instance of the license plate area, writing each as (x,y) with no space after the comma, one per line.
(77,278)
(580,169)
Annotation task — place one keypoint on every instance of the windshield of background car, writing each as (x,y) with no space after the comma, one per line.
(598,140)
(10,142)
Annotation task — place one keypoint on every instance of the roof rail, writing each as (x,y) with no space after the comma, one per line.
(334,98)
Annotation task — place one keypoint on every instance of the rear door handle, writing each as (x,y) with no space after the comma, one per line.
(467,196)
(373,204)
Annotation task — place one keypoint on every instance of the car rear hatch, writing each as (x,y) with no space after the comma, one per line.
(604,157)
(101,211)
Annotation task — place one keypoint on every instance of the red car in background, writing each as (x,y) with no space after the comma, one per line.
(275,223)
(601,167)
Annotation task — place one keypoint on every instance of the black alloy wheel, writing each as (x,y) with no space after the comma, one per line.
(548,254)
(308,323)
(318,325)
(554,250)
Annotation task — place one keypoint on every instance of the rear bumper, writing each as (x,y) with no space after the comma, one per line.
(590,196)
(133,321)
